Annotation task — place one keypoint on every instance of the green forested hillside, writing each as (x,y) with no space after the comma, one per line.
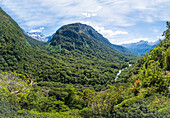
(20,53)
(73,76)
(151,74)
(157,59)
(82,37)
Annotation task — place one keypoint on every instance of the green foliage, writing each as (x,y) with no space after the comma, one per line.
(153,73)
(70,114)
(167,59)
(160,104)
(144,107)
(153,76)
(77,54)
(9,30)
(82,37)
(153,69)
(34,43)
(103,102)
(13,88)
(68,76)
(6,109)
(21,94)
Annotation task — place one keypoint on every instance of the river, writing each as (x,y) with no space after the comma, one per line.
(121,71)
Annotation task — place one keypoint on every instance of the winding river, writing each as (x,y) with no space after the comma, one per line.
(120,72)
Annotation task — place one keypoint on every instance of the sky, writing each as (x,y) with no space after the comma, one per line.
(120,21)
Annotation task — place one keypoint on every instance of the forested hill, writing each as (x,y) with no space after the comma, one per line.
(150,77)
(83,37)
(87,65)
(10,31)
(73,76)
(153,70)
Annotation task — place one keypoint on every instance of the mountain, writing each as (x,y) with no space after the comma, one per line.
(154,42)
(154,68)
(83,37)
(17,50)
(38,35)
(73,75)
(150,77)
(50,37)
(71,56)
(141,47)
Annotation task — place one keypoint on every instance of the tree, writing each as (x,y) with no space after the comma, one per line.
(167,59)
(152,76)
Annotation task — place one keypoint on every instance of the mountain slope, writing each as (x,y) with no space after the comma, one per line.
(50,37)
(34,43)
(78,82)
(154,69)
(150,82)
(141,47)
(20,53)
(9,29)
(83,37)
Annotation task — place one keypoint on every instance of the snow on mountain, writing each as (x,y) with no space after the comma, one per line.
(38,35)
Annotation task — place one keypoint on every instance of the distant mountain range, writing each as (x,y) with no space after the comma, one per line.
(76,36)
(65,33)
(39,36)
(141,47)
(73,74)
(72,49)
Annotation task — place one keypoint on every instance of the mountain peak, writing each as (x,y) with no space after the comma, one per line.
(141,47)
(143,41)
(77,35)
(82,37)
(75,24)
(38,35)
(76,27)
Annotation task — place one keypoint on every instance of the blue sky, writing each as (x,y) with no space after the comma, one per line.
(121,21)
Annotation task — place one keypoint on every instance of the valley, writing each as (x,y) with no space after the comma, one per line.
(79,73)
(121,71)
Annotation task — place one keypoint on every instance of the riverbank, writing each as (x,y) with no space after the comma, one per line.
(121,71)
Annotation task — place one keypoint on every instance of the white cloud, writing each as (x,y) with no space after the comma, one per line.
(92,12)
(108,14)
(115,12)
(109,33)
(37,30)
(133,40)
(161,37)
(41,28)
(119,32)
(139,39)
(155,30)
(89,14)
(144,39)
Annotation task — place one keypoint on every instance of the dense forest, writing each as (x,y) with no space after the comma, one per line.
(73,75)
